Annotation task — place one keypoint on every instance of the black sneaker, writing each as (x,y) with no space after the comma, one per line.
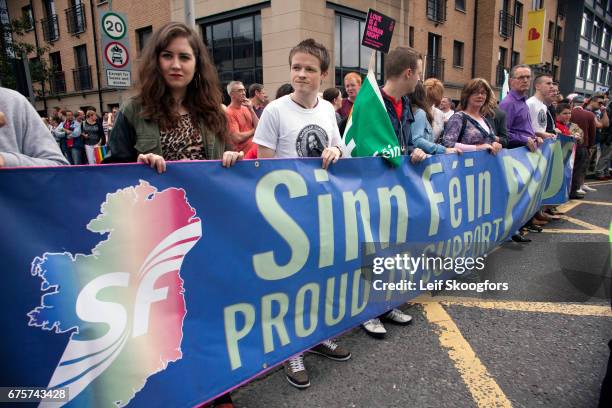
(533,228)
(296,372)
(331,350)
(520,238)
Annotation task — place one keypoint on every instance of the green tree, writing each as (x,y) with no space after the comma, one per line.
(18,48)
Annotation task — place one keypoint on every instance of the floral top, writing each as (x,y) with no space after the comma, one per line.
(182,142)
(473,134)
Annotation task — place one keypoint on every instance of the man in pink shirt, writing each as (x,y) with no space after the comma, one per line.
(241,117)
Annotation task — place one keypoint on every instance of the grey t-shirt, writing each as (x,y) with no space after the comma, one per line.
(25,140)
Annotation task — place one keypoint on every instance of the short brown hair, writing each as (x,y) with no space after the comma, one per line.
(310,46)
(330,94)
(473,86)
(399,60)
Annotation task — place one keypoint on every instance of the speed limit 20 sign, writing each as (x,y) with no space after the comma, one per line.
(114,25)
(116,49)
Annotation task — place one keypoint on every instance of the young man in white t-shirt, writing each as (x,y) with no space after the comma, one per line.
(538,105)
(303,125)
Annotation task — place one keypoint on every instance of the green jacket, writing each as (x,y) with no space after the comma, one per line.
(132,135)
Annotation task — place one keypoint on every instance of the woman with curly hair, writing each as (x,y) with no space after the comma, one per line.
(176,113)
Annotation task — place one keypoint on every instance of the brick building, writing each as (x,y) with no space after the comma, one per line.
(250,39)
(70,28)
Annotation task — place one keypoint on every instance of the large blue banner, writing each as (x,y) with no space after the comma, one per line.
(123,286)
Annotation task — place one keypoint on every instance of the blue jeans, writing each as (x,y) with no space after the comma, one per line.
(77,155)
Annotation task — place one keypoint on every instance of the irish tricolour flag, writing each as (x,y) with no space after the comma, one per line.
(369,131)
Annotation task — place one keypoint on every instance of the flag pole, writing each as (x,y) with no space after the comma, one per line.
(372,65)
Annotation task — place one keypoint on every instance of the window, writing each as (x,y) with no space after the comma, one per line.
(516,57)
(436,10)
(460,5)
(142,35)
(592,69)
(26,12)
(82,72)
(350,55)
(518,14)
(457,54)
(411,36)
(50,24)
(587,24)
(537,4)
(502,56)
(551,30)
(581,67)
(596,36)
(235,46)
(434,63)
(605,38)
(75,17)
(601,72)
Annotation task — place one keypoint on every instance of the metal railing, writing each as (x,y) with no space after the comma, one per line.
(436,10)
(82,78)
(435,67)
(75,18)
(50,27)
(506,24)
(57,82)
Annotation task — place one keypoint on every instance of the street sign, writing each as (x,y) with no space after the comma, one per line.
(116,54)
(114,25)
(116,49)
(120,79)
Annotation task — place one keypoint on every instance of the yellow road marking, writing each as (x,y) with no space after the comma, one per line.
(573,231)
(482,386)
(596,202)
(570,205)
(599,183)
(584,224)
(520,306)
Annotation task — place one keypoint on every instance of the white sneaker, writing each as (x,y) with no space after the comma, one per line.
(581,191)
(586,187)
(398,317)
(374,328)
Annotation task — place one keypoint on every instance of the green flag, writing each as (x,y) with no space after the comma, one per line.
(369,131)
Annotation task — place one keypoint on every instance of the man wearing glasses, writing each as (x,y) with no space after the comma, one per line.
(241,117)
(520,130)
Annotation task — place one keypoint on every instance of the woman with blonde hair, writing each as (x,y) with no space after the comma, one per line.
(468,129)
(434,90)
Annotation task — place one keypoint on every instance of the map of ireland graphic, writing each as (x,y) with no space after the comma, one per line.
(124,302)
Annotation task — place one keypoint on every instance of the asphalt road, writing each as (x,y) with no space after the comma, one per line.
(529,348)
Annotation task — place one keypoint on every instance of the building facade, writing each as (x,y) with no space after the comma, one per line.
(250,39)
(70,29)
(589,25)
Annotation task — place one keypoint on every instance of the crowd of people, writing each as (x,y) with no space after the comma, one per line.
(178,114)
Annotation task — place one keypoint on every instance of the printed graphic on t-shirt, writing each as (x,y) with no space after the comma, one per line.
(542,118)
(311,141)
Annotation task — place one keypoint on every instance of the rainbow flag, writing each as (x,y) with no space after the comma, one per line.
(100,153)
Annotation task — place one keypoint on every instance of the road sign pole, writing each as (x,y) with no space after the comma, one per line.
(189,14)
